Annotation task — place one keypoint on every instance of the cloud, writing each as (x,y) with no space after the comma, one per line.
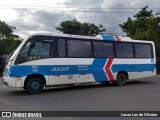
(102,13)
(110,13)
(46,16)
(29,21)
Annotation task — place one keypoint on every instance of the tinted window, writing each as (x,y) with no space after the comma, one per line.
(103,49)
(77,48)
(143,50)
(22,56)
(61,48)
(37,47)
(41,50)
(124,50)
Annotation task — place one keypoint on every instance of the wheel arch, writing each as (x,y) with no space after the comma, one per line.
(124,72)
(35,75)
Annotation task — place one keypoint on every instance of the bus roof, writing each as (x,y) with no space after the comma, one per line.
(106,37)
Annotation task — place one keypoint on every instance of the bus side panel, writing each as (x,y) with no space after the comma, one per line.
(136,68)
(81,70)
(71,70)
(82,78)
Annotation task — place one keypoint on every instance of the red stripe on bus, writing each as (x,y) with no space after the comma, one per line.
(108,69)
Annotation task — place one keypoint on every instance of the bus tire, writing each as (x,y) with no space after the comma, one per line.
(34,85)
(121,79)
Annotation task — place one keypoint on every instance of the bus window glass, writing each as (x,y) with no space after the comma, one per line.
(143,51)
(22,56)
(46,49)
(41,50)
(36,51)
(124,50)
(61,48)
(103,49)
(77,48)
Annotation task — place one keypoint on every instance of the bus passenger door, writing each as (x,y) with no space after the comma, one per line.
(60,74)
(61,70)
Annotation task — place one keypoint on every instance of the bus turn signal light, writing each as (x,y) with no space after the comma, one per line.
(18,78)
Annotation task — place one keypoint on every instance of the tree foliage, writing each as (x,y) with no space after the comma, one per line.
(8,40)
(77,28)
(144,13)
(144,26)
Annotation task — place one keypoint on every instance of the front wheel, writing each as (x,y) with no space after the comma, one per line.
(34,85)
(121,79)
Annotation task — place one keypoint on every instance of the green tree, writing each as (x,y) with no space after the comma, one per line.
(8,40)
(6,31)
(77,28)
(144,26)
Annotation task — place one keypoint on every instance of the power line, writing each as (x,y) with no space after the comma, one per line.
(60,9)
(33,6)
(70,10)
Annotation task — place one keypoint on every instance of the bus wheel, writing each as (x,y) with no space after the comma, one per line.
(34,85)
(121,79)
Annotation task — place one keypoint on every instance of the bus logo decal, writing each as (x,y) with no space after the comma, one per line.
(59,69)
(35,68)
(82,67)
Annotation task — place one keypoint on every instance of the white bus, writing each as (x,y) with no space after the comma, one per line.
(47,59)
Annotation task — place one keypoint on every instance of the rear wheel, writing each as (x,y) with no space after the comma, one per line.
(121,79)
(34,85)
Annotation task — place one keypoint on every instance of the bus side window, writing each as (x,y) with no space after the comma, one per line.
(61,48)
(40,51)
(78,48)
(124,50)
(143,50)
(103,49)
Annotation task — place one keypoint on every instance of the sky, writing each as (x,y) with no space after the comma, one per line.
(30,16)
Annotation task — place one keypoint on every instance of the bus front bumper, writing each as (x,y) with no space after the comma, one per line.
(12,81)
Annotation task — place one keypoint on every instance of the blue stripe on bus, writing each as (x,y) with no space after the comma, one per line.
(133,67)
(96,69)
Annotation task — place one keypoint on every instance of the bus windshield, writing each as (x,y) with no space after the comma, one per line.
(22,56)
